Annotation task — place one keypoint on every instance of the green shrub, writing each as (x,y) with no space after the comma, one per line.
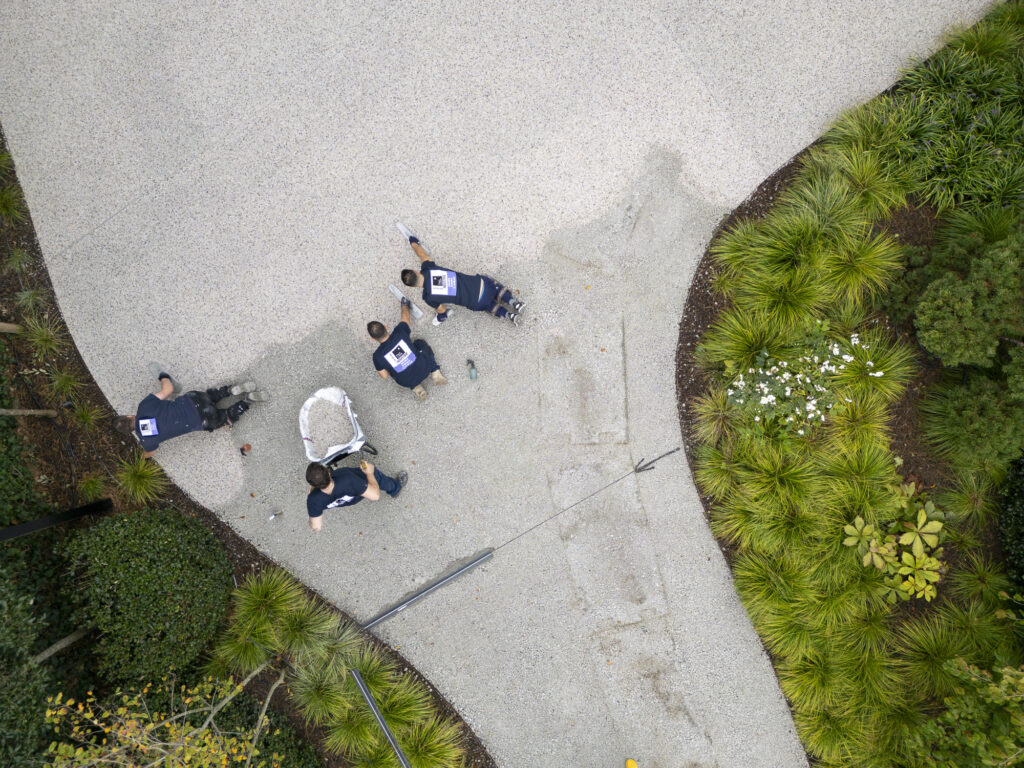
(962,320)
(974,424)
(155,585)
(1013,370)
(278,738)
(982,723)
(23,684)
(1011,521)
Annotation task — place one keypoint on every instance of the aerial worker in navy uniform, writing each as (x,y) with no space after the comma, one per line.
(346,486)
(400,357)
(443,287)
(160,418)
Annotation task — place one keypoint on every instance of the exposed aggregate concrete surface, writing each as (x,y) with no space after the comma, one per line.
(215,185)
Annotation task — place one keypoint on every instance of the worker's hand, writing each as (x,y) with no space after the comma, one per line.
(366,466)
(406,303)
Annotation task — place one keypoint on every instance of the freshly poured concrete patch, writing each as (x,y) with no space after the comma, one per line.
(216,187)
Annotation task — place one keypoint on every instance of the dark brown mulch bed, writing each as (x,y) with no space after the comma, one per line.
(912,225)
(61,453)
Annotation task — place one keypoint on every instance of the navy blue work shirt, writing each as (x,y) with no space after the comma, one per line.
(157,420)
(396,354)
(349,486)
(446,286)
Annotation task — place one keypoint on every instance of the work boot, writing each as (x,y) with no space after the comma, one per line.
(438,378)
(516,304)
(401,478)
(258,396)
(236,410)
(514,317)
(420,391)
(243,389)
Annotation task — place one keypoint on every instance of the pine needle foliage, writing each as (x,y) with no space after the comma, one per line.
(979,579)
(18,262)
(12,206)
(64,383)
(433,742)
(970,498)
(737,337)
(863,269)
(732,251)
(717,418)
(881,367)
(814,682)
(924,646)
(861,422)
(835,212)
(868,632)
(827,733)
(88,416)
(275,622)
(716,472)
(320,694)
(90,488)
(983,634)
(791,298)
(45,336)
(774,476)
(30,300)
(141,480)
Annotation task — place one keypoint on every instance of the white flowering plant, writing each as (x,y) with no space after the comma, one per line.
(794,395)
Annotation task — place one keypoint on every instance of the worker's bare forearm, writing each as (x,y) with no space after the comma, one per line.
(420,251)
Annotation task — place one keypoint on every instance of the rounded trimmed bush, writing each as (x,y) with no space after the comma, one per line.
(155,584)
(1011,521)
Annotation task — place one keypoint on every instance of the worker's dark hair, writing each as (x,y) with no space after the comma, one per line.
(317,475)
(124,425)
(377,330)
(409,277)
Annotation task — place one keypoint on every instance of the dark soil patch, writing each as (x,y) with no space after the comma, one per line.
(61,453)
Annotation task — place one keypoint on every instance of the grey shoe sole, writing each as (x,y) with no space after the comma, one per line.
(257,397)
(242,389)
(156,369)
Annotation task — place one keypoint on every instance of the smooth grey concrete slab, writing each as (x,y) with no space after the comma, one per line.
(216,186)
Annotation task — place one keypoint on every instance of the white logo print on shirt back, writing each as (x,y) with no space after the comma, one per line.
(400,357)
(442,282)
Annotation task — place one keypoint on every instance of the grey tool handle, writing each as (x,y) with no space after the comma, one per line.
(416,311)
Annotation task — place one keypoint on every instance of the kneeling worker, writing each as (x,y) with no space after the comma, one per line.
(346,486)
(403,359)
